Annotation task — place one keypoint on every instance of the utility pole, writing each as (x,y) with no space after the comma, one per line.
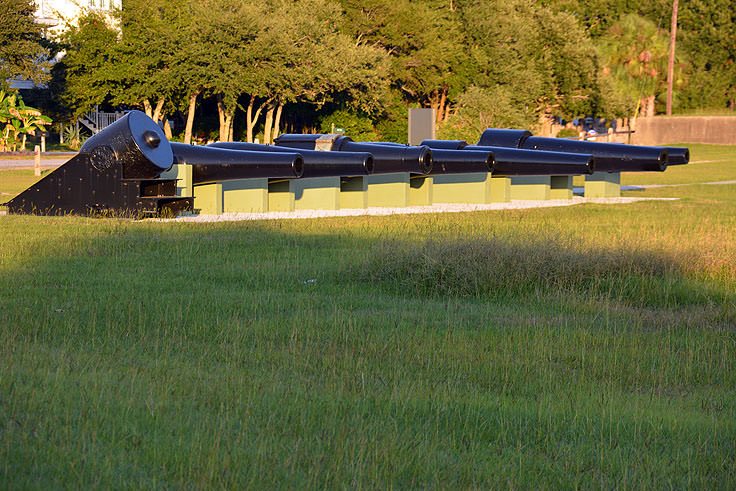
(671,65)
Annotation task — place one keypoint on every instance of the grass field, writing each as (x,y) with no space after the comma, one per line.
(585,346)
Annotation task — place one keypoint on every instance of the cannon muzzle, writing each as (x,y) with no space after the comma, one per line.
(316,163)
(609,157)
(135,142)
(677,155)
(219,164)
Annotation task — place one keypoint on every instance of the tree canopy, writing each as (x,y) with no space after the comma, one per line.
(22,51)
(516,63)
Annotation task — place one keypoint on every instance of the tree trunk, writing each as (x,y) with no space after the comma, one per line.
(190,117)
(230,126)
(277,122)
(167,127)
(23,143)
(248,121)
(251,119)
(147,108)
(447,111)
(225,119)
(158,110)
(441,106)
(268,124)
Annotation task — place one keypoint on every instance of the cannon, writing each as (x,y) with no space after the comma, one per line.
(387,159)
(116,171)
(609,157)
(316,163)
(515,162)
(120,170)
(212,164)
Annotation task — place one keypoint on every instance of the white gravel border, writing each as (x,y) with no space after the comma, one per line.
(383,211)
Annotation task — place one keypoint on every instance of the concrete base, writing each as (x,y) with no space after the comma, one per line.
(317,193)
(183,173)
(500,189)
(462,188)
(603,185)
(388,190)
(560,187)
(280,196)
(421,190)
(530,187)
(245,196)
(353,192)
(208,199)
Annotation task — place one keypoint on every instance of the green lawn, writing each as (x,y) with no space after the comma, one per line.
(585,346)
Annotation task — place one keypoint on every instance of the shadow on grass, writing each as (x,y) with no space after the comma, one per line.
(244,266)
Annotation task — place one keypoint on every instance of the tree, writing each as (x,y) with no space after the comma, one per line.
(707,40)
(528,64)
(90,64)
(424,41)
(634,57)
(22,51)
(317,63)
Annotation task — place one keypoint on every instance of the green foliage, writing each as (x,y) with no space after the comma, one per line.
(707,41)
(535,59)
(22,51)
(422,39)
(92,63)
(530,62)
(73,137)
(18,120)
(358,126)
(634,56)
(487,107)
(567,133)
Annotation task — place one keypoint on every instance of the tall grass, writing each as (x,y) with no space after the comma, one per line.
(590,346)
(537,266)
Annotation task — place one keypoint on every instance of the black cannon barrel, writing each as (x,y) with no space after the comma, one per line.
(220,164)
(677,155)
(316,163)
(387,158)
(516,162)
(136,142)
(462,161)
(445,144)
(609,157)
(393,157)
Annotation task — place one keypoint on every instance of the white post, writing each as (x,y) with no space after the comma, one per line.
(37,161)
(43,143)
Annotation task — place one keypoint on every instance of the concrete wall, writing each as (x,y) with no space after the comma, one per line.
(685,129)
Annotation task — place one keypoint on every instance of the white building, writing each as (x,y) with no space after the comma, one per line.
(59,14)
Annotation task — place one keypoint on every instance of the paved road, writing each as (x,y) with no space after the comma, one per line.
(46,163)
